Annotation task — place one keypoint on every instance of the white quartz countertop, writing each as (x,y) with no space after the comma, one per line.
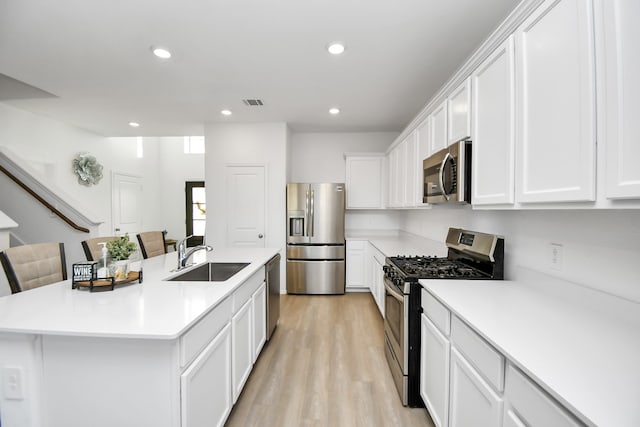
(581,346)
(155,308)
(392,243)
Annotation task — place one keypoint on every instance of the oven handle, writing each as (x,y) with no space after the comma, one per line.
(393,293)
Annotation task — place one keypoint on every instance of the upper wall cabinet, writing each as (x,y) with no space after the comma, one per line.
(364,177)
(493,133)
(439,128)
(619,94)
(423,133)
(556,145)
(458,113)
(411,170)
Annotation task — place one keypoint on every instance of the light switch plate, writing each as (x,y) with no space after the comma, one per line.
(12,382)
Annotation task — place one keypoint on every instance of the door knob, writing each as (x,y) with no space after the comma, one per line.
(260,236)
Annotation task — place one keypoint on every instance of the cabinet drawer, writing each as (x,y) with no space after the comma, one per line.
(483,356)
(244,291)
(436,312)
(200,334)
(533,406)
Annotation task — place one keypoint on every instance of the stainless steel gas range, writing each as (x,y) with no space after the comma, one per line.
(471,256)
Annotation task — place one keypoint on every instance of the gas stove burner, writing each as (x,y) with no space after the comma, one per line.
(427,267)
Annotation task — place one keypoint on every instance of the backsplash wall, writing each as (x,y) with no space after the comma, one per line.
(600,249)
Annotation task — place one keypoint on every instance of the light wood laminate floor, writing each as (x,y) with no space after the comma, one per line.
(324,366)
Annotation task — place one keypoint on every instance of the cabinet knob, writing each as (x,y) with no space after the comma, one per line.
(260,236)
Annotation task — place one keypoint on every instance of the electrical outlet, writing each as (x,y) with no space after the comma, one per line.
(556,255)
(12,380)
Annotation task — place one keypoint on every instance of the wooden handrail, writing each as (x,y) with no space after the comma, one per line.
(48,205)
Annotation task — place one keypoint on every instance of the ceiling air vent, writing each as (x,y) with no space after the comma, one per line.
(253,102)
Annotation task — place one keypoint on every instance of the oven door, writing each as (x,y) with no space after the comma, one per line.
(395,324)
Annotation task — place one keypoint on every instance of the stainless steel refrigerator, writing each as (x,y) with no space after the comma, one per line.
(315,238)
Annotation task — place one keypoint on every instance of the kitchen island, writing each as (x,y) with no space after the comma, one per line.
(161,353)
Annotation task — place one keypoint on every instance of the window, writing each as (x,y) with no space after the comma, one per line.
(194,144)
(196,212)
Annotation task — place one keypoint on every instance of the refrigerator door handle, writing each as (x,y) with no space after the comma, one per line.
(312,219)
(306,215)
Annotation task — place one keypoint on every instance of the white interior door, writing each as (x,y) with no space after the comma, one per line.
(245,206)
(126,193)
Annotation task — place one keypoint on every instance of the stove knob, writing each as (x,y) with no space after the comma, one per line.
(385,268)
(397,281)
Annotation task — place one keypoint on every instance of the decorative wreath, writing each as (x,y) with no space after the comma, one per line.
(88,169)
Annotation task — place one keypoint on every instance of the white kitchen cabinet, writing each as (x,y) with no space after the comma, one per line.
(473,401)
(556,144)
(364,181)
(459,113)
(423,135)
(377,275)
(393,195)
(434,371)
(619,95)
(438,119)
(355,264)
(511,420)
(493,134)
(534,408)
(410,170)
(259,314)
(205,386)
(241,348)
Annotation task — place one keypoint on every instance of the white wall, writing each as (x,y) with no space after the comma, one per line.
(249,143)
(319,157)
(600,248)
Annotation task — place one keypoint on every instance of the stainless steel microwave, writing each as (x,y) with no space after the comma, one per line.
(447,175)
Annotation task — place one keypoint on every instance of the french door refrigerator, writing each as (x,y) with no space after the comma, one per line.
(315,238)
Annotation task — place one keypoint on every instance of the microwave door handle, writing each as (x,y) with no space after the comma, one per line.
(313,195)
(441,175)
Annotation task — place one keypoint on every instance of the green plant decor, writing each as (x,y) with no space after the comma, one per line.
(121,248)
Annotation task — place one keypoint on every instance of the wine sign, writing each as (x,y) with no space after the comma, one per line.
(82,271)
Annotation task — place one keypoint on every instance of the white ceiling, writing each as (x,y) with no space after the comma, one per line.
(94,56)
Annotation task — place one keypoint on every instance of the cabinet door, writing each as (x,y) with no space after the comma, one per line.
(411,170)
(364,182)
(439,128)
(511,420)
(423,135)
(393,170)
(619,61)
(259,314)
(556,104)
(205,386)
(241,348)
(434,372)
(459,113)
(494,128)
(355,264)
(473,401)
(378,287)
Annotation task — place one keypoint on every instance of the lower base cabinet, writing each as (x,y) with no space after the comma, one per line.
(434,372)
(259,313)
(241,348)
(473,401)
(205,386)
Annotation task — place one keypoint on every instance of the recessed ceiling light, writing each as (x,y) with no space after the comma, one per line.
(161,52)
(335,48)
(334,111)
(226,112)
(134,124)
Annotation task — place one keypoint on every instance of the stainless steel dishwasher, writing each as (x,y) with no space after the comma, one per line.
(273,294)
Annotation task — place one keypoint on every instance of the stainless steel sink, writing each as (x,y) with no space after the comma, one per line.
(211,272)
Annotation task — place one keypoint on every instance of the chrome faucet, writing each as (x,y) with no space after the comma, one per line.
(183,255)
